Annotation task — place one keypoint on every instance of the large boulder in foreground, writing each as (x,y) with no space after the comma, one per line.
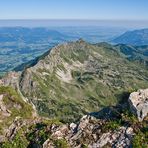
(138,102)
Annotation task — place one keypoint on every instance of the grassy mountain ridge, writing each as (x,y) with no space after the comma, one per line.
(77,78)
(31,63)
(137,54)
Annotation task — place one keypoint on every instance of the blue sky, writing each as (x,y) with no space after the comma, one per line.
(74,9)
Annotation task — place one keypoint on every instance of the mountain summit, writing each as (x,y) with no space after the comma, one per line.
(76,78)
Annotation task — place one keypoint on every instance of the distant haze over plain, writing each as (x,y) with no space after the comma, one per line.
(133,24)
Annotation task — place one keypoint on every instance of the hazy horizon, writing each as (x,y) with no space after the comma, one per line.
(133,24)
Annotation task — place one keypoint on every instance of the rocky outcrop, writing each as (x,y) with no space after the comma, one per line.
(138,102)
(16,125)
(11,79)
(118,138)
(3,109)
(89,132)
(95,130)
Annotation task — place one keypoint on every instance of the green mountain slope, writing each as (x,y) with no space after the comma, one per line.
(135,37)
(77,78)
(11,107)
(134,53)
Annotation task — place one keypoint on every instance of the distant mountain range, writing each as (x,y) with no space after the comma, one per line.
(136,37)
(29,35)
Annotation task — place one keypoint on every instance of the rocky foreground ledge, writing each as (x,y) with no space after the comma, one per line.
(121,126)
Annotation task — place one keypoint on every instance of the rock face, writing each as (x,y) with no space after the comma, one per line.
(139,103)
